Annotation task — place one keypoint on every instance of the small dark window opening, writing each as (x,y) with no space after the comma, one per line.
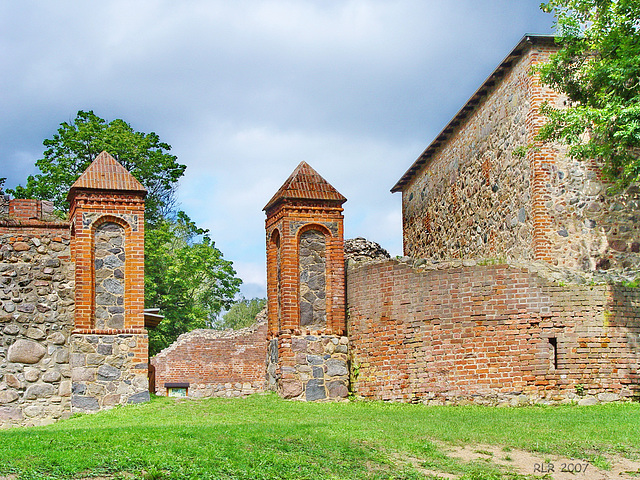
(553,358)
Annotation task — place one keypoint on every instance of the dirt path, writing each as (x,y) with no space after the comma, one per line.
(557,468)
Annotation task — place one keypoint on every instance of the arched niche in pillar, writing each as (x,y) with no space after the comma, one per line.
(313,276)
(109,262)
(274,283)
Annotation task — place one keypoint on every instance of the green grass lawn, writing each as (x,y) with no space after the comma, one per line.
(266,437)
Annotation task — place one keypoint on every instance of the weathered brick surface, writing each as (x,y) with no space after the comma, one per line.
(215,363)
(473,197)
(488,334)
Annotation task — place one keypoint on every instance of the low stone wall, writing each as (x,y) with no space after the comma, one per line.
(36,318)
(495,334)
(228,363)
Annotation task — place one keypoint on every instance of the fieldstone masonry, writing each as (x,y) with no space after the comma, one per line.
(105,371)
(109,266)
(36,318)
(313,305)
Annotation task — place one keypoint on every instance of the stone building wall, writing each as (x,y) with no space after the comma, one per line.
(473,199)
(456,332)
(36,319)
(228,363)
(471,196)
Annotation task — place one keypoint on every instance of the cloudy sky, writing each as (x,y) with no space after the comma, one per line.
(245,90)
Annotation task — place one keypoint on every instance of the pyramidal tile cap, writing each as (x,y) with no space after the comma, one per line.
(306,184)
(106,173)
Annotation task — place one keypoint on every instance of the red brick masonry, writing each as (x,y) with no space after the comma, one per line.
(489,333)
(215,363)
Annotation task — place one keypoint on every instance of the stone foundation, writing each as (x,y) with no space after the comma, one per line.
(108,370)
(318,369)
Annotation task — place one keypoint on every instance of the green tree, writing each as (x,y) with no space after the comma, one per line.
(241,314)
(77,144)
(187,278)
(598,68)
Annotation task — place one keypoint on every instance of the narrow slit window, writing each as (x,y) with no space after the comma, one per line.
(553,353)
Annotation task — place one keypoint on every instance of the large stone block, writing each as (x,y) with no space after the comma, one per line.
(8,396)
(84,403)
(26,351)
(39,390)
(336,367)
(315,390)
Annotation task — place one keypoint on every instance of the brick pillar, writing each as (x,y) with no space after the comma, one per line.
(541,158)
(107,244)
(306,289)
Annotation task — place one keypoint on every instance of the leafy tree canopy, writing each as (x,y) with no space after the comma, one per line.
(241,314)
(187,278)
(598,68)
(77,144)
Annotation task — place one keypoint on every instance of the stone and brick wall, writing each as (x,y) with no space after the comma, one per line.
(110,343)
(449,333)
(71,300)
(36,315)
(229,363)
(475,198)
(305,289)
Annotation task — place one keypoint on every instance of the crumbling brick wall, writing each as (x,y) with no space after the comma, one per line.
(228,363)
(492,334)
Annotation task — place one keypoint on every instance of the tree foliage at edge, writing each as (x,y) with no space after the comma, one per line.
(598,68)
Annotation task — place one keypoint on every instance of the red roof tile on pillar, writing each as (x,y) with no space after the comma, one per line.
(306,184)
(106,173)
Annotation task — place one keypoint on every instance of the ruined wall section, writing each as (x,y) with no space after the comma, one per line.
(36,314)
(473,199)
(454,333)
(227,363)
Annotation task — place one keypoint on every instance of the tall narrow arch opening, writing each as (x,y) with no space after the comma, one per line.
(109,262)
(275,282)
(312,270)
